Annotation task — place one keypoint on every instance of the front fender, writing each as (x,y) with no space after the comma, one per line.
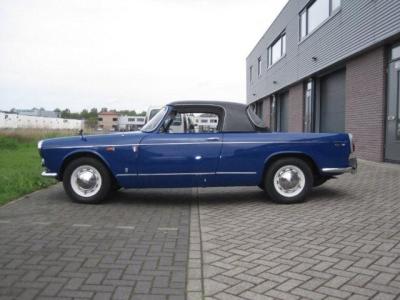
(79,153)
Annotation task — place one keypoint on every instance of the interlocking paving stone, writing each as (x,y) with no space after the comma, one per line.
(344,243)
(53,248)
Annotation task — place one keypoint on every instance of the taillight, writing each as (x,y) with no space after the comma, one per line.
(352,145)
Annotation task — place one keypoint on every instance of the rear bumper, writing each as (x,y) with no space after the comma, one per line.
(352,168)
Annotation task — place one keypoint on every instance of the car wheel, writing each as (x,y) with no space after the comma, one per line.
(87,180)
(320,181)
(288,180)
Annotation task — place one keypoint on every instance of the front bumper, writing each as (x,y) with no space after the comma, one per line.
(47,174)
(352,168)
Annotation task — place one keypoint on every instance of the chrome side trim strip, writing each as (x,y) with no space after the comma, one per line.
(46,174)
(236,173)
(173,174)
(127,174)
(92,146)
(187,174)
(189,143)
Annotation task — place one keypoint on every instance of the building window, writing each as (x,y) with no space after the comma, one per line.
(131,119)
(277,50)
(259,66)
(335,5)
(316,13)
(100,119)
(396,53)
(115,119)
(251,74)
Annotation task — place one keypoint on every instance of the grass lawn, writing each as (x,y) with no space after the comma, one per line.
(20,164)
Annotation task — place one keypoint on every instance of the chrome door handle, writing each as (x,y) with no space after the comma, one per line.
(391,118)
(212,139)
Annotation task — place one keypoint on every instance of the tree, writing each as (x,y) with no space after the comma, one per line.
(66,113)
(93,112)
(85,114)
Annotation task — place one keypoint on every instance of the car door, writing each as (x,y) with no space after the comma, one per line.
(178,159)
(242,158)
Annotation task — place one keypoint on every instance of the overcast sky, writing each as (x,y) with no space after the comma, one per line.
(126,54)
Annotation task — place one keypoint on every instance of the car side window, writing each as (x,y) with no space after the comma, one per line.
(196,122)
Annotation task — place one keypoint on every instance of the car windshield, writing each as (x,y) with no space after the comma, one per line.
(256,120)
(155,121)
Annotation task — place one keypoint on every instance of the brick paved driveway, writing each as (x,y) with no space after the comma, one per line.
(127,248)
(211,243)
(342,244)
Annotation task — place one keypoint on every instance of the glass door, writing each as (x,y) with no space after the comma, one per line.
(392,149)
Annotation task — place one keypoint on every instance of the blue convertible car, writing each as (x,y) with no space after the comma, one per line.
(198,144)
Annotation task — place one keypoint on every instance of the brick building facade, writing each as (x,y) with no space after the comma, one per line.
(332,66)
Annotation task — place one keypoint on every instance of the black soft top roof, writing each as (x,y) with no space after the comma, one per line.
(235,117)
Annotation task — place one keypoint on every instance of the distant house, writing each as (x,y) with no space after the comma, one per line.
(206,122)
(108,121)
(130,123)
(12,120)
(37,112)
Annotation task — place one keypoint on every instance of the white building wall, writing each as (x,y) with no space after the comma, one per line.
(9,120)
(128,122)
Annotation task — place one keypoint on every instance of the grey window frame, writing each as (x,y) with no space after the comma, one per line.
(251,74)
(305,12)
(394,56)
(259,66)
(282,40)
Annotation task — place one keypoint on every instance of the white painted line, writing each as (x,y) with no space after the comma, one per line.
(81,225)
(167,228)
(125,227)
(41,223)
(5,221)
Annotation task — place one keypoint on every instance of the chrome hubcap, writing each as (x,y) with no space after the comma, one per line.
(289,181)
(86,181)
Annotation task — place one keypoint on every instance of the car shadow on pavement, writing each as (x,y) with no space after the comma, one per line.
(216,196)
(325,193)
(165,197)
(236,195)
(219,196)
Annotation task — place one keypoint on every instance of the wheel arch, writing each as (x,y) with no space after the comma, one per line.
(300,155)
(86,153)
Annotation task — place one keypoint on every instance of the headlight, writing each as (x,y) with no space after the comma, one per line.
(39,144)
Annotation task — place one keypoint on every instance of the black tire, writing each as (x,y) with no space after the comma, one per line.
(320,181)
(275,194)
(106,180)
(115,187)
